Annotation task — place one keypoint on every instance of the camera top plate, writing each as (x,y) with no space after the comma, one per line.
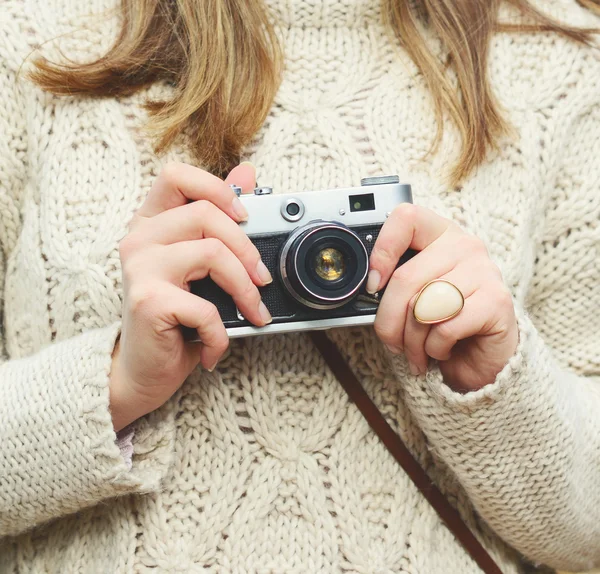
(266,212)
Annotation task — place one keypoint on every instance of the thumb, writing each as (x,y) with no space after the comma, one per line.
(244,176)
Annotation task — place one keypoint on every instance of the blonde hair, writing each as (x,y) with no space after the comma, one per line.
(225,63)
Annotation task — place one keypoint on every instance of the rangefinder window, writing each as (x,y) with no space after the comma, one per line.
(362,202)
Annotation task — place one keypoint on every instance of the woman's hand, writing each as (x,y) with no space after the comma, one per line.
(172,242)
(472,347)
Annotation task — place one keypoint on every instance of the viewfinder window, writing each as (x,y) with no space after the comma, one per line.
(362,202)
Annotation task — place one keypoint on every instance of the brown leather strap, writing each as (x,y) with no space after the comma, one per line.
(400,452)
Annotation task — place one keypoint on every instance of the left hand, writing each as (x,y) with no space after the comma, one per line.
(472,347)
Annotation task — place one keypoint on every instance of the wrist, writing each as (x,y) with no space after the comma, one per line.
(120,412)
(122,405)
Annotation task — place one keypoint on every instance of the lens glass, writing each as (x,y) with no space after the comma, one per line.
(330,264)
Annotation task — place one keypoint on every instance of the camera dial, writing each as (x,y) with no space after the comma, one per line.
(323,264)
(292,209)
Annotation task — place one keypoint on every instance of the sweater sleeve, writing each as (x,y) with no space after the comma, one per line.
(527,448)
(57,444)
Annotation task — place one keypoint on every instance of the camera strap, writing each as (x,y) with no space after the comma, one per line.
(400,452)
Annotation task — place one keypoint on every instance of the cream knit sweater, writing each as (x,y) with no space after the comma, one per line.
(264,465)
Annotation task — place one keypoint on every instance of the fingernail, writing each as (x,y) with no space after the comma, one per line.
(373,281)
(394,350)
(263,273)
(249,163)
(264,313)
(414,369)
(239,209)
(212,368)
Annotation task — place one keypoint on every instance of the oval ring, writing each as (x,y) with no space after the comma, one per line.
(438,301)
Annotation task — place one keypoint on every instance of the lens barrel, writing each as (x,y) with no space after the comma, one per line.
(323,264)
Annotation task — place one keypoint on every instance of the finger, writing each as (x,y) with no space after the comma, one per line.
(436,260)
(179,183)
(244,176)
(415,333)
(192,260)
(475,318)
(408,226)
(194,312)
(199,220)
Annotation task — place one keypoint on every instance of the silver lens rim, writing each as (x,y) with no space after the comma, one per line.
(325,302)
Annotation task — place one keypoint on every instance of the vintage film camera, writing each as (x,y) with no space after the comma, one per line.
(316,245)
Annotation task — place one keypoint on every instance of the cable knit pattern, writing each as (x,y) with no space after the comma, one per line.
(264,465)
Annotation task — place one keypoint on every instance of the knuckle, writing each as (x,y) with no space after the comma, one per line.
(463,243)
(412,347)
(142,299)
(401,275)
(135,222)
(505,299)
(412,353)
(249,247)
(124,248)
(248,291)
(385,253)
(220,342)
(436,353)
(454,227)
(407,212)
(204,208)
(128,270)
(243,247)
(130,244)
(213,248)
(494,269)
(208,314)
(170,172)
(446,331)
(385,332)
(432,348)
(472,244)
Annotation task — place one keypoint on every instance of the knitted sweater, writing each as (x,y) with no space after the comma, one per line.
(264,465)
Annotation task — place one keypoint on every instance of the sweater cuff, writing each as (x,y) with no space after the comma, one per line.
(514,374)
(55,413)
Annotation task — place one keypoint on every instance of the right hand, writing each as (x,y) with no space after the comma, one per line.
(172,242)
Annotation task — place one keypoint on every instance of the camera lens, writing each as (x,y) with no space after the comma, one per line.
(329,264)
(323,264)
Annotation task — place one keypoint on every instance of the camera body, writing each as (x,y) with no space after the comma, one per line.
(316,246)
